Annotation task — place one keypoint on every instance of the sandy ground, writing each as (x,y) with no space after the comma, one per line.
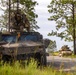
(67,64)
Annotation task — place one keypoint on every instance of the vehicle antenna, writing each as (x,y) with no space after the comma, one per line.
(9,14)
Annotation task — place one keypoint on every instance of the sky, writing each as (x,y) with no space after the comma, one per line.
(47,26)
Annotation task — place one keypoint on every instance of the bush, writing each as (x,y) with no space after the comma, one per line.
(28,69)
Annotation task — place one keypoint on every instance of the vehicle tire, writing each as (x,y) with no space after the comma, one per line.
(43,60)
(6,58)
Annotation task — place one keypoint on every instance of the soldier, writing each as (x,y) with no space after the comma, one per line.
(19,21)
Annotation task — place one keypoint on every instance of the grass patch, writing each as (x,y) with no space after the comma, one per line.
(55,53)
(70,56)
(31,69)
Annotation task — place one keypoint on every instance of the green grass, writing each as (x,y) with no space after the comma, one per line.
(55,53)
(70,56)
(30,69)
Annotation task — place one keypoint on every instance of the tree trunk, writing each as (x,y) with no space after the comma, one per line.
(74,29)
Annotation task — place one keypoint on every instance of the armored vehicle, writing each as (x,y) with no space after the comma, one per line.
(21,44)
(65,51)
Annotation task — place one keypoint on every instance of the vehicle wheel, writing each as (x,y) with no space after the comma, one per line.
(6,58)
(38,58)
(43,60)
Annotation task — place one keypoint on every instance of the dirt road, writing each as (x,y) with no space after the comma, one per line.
(60,62)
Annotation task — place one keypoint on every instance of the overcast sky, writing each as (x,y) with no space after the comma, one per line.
(45,25)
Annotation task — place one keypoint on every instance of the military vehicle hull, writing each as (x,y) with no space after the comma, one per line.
(23,46)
